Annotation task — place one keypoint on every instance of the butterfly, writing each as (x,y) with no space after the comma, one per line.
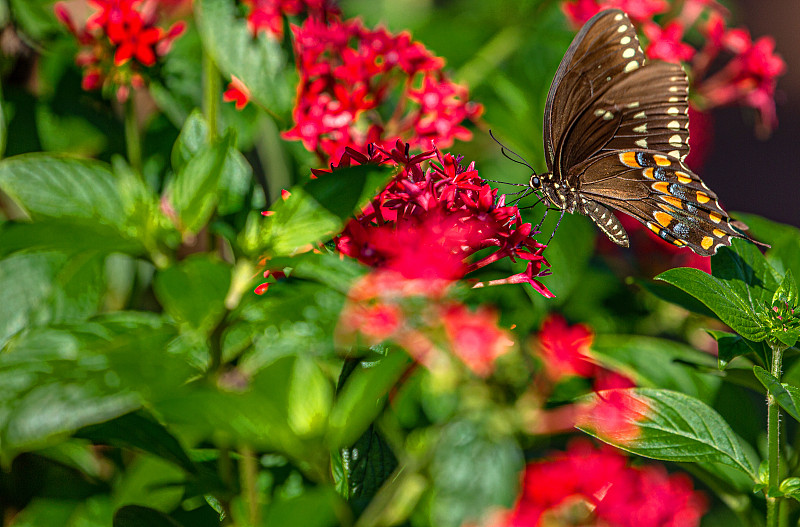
(616,135)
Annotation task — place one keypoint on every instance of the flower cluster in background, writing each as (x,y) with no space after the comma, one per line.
(595,486)
(267,15)
(119,42)
(751,67)
(360,86)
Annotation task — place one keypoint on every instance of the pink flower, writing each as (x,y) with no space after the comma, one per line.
(594,486)
(237,92)
(119,43)
(267,15)
(565,349)
(666,44)
(475,337)
(360,86)
(579,11)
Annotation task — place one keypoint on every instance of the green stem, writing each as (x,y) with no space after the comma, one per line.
(133,139)
(211,95)
(225,470)
(773,439)
(249,475)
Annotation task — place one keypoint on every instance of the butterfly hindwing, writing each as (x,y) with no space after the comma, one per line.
(663,194)
(605,48)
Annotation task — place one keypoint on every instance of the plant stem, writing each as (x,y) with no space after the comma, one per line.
(249,475)
(211,89)
(773,439)
(133,139)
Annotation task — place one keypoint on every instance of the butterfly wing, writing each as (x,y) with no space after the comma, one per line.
(605,48)
(660,192)
(644,109)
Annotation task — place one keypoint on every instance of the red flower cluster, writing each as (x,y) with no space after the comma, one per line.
(430,220)
(352,77)
(594,486)
(267,15)
(384,305)
(748,78)
(119,41)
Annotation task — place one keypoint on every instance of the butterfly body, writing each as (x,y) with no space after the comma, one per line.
(616,131)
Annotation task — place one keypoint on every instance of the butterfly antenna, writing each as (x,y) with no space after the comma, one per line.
(505,151)
(507,183)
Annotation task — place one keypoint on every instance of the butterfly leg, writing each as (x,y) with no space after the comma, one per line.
(557,225)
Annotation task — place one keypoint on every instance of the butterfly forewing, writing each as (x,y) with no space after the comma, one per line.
(605,48)
(645,109)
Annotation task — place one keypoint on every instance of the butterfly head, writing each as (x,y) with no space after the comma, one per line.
(535,182)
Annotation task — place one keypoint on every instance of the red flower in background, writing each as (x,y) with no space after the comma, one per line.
(430,220)
(594,486)
(564,349)
(474,337)
(267,15)
(751,69)
(237,93)
(351,76)
(119,43)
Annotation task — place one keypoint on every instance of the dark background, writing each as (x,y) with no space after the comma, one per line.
(762,176)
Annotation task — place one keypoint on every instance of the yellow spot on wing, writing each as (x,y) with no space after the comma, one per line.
(629,159)
(683,177)
(648,172)
(707,242)
(662,161)
(653,227)
(718,233)
(702,197)
(713,216)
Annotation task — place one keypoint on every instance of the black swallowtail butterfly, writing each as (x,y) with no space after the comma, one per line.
(616,134)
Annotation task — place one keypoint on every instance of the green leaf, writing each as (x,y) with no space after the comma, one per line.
(661,363)
(745,271)
(54,186)
(774,387)
(361,399)
(366,465)
(731,345)
(139,516)
(35,17)
(473,472)
(794,393)
(320,507)
(786,293)
(139,430)
(343,190)
(314,211)
(675,296)
(665,425)
(67,235)
(150,481)
(194,189)
(260,62)
(717,295)
(193,292)
(42,288)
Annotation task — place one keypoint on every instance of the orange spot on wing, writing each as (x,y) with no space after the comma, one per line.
(718,233)
(648,172)
(702,197)
(675,202)
(661,186)
(662,161)
(683,177)
(713,216)
(629,159)
(707,241)
(653,228)
(663,218)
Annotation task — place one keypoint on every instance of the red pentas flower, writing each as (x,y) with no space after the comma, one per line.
(119,43)
(474,336)
(594,486)
(564,349)
(360,86)
(579,11)
(267,15)
(433,216)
